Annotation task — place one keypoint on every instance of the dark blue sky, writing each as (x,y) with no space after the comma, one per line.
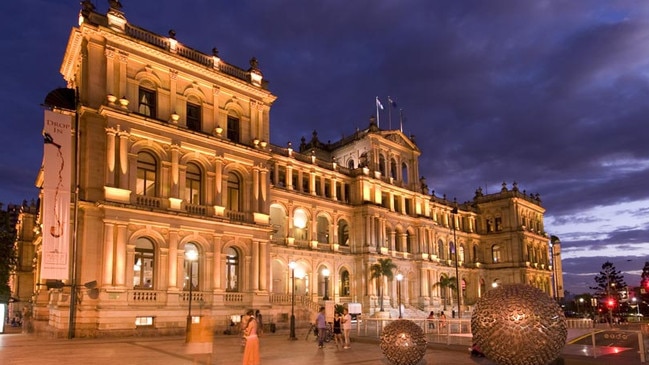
(550,94)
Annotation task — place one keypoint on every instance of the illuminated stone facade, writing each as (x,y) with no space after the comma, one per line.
(175,157)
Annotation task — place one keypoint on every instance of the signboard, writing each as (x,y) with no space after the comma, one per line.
(57,167)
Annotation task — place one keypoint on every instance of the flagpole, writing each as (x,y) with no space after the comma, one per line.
(389,113)
(401,120)
(378,121)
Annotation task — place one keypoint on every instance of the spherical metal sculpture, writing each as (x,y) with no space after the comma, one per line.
(403,342)
(519,325)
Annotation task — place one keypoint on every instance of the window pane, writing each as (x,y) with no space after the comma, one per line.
(193,182)
(191,267)
(193,117)
(147,102)
(146,174)
(233,129)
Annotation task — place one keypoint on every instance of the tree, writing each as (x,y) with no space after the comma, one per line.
(644,281)
(446,282)
(609,282)
(384,267)
(8,261)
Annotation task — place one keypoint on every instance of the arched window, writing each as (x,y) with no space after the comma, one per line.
(146,102)
(233,132)
(451,251)
(300,224)
(483,287)
(475,254)
(234,192)
(193,183)
(323,229)
(193,117)
(409,243)
(404,172)
(277,222)
(350,164)
(393,168)
(147,174)
(382,165)
(495,254)
(343,233)
(441,252)
(461,253)
(144,264)
(463,285)
(344,283)
(191,267)
(231,270)
(362,161)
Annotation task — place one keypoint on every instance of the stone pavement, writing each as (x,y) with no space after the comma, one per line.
(276,349)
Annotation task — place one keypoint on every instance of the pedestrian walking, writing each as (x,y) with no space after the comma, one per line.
(321,323)
(260,323)
(431,320)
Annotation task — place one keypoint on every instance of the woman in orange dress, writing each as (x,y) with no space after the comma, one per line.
(251,351)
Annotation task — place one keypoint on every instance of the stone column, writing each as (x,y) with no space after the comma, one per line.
(255,265)
(218,264)
(264,280)
(120,257)
(173,260)
(110,156)
(108,253)
(124,160)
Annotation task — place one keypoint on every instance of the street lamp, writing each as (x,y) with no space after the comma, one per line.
(637,306)
(457,272)
(292,266)
(399,278)
(191,255)
(325,273)
(581,301)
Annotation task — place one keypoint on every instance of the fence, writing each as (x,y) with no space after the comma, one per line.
(449,331)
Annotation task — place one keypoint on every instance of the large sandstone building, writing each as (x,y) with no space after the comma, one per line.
(181,190)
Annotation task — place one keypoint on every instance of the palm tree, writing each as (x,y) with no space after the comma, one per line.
(446,282)
(384,267)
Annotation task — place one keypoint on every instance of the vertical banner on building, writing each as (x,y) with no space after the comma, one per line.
(57,167)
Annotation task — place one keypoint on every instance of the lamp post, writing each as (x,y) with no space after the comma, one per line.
(191,256)
(292,265)
(581,301)
(637,306)
(399,278)
(325,273)
(457,270)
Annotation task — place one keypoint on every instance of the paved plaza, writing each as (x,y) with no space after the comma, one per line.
(276,349)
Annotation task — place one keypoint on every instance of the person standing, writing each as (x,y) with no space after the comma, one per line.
(442,319)
(321,323)
(347,327)
(338,334)
(251,350)
(260,323)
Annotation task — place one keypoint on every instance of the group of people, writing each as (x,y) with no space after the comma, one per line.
(342,328)
(441,317)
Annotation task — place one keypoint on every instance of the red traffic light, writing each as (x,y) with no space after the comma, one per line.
(610,303)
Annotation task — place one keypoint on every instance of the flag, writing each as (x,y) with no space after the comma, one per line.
(392,102)
(378,103)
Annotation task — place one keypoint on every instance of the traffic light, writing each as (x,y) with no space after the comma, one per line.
(610,303)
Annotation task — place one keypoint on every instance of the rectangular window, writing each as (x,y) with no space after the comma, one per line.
(194,117)
(233,129)
(143,321)
(147,102)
